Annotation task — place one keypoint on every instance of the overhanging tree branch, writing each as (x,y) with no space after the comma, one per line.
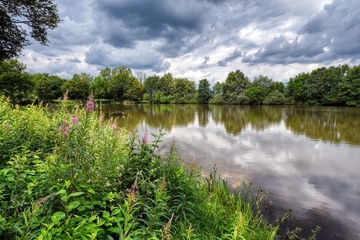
(39,15)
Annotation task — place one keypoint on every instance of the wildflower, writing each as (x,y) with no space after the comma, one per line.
(63,130)
(7,128)
(114,126)
(144,138)
(67,129)
(90,103)
(90,106)
(75,120)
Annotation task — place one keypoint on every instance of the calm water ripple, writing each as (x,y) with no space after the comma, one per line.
(307,158)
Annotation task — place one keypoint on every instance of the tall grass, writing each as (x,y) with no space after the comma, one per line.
(69,174)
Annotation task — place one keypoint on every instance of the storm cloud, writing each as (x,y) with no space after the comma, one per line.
(200,38)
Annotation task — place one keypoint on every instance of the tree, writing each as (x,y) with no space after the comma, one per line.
(278,86)
(323,86)
(37,15)
(15,81)
(122,84)
(297,88)
(217,92)
(134,89)
(259,89)
(164,89)
(350,87)
(183,90)
(234,87)
(99,87)
(118,81)
(218,88)
(204,92)
(78,87)
(166,84)
(329,82)
(47,87)
(150,87)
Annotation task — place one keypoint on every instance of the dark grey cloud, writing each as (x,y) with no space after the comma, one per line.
(123,23)
(214,1)
(206,60)
(330,34)
(75,60)
(232,56)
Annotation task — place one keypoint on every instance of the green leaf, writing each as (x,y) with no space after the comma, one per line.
(72,205)
(90,190)
(115,212)
(64,198)
(114,230)
(106,214)
(75,194)
(62,191)
(109,237)
(56,217)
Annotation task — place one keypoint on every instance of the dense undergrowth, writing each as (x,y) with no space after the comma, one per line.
(69,174)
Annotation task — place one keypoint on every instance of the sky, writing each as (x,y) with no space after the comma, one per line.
(200,39)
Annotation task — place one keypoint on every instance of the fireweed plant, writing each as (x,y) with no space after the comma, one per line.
(69,174)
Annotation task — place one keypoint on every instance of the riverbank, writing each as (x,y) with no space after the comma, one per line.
(70,174)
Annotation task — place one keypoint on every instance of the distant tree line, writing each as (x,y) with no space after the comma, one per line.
(335,86)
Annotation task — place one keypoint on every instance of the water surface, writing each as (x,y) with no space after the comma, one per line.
(307,158)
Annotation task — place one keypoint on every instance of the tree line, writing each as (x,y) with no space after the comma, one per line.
(335,86)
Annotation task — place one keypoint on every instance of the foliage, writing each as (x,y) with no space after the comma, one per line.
(167,89)
(15,82)
(324,86)
(259,89)
(38,16)
(183,90)
(122,84)
(333,86)
(204,92)
(350,87)
(235,84)
(150,86)
(99,87)
(47,87)
(275,98)
(78,86)
(76,176)
(29,128)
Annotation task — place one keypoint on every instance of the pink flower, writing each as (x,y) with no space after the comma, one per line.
(90,106)
(114,126)
(63,130)
(75,120)
(145,138)
(67,129)
(90,103)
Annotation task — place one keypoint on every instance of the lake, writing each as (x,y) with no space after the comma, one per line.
(307,158)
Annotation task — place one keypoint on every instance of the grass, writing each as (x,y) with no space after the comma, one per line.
(69,174)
